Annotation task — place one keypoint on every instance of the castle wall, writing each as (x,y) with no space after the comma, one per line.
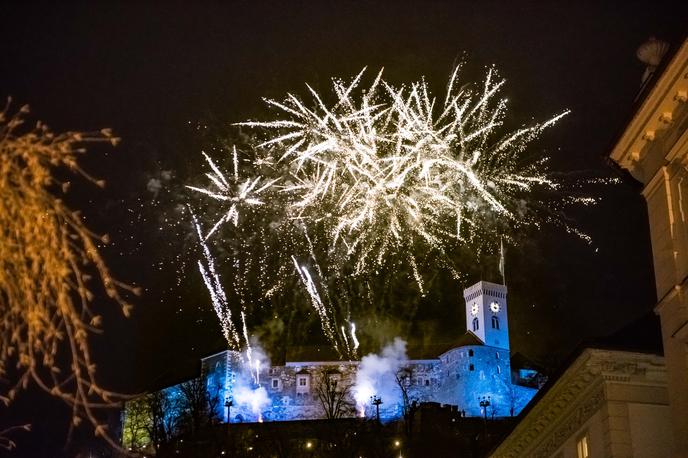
(460,377)
(472,372)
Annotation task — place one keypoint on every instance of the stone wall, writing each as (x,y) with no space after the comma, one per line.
(460,377)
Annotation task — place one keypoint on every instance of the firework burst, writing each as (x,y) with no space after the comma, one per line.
(384,169)
(383,173)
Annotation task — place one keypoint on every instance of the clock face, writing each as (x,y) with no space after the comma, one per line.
(494,307)
(474,309)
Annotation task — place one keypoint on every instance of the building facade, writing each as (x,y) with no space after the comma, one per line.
(654,150)
(606,404)
(478,368)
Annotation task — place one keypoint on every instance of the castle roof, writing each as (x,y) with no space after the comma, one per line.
(435,350)
(314,353)
(310,353)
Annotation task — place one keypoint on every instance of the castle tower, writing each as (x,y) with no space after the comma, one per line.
(486,313)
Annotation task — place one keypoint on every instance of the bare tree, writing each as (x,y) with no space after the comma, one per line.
(334,394)
(511,395)
(5,441)
(135,428)
(403,378)
(163,412)
(199,404)
(47,260)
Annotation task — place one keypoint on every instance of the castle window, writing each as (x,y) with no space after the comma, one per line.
(499,370)
(495,322)
(302,383)
(476,324)
(427,382)
(275,384)
(497,355)
(471,367)
(470,352)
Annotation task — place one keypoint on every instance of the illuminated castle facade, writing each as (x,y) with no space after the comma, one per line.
(475,367)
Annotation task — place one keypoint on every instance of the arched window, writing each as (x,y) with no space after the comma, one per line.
(476,324)
(495,322)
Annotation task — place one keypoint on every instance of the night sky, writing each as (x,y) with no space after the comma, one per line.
(157,75)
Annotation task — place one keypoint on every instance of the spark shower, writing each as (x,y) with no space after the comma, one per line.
(382,176)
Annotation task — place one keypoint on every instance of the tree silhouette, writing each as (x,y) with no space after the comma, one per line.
(334,394)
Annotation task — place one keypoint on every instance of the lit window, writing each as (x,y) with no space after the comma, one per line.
(582,447)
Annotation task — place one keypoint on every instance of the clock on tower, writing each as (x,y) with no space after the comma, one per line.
(486,314)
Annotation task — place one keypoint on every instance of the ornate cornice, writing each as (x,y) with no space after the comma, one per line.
(656,113)
(575,397)
(573,421)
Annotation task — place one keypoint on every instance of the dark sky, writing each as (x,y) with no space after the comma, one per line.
(153,73)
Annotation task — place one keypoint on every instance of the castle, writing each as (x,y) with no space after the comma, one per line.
(476,367)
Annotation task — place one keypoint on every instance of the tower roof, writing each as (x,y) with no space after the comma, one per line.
(484,286)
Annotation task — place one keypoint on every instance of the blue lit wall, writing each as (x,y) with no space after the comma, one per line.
(460,377)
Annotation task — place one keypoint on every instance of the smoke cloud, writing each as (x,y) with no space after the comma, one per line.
(247,392)
(377,377)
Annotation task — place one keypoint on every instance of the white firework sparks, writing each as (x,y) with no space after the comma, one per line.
(383,172)
(245,192)
(221,305)
(388,169)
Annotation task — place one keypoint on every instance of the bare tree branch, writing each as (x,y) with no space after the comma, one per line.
(48,258)
(334,394)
